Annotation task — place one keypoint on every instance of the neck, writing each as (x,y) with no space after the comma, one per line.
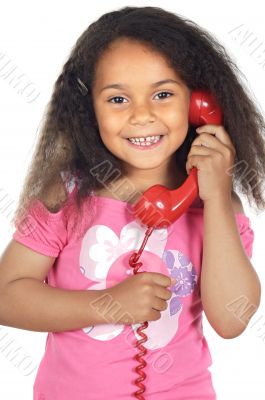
(135,182)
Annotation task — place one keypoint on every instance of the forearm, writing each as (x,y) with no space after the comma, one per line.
(33,305)
(227,273)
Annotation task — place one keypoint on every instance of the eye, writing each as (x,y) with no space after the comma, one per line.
(171,94)
(116,97)
(121,102)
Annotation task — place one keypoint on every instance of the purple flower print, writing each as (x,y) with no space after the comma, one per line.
(185,281)
(174,305)
(182,269)
(184,261)
(168,258)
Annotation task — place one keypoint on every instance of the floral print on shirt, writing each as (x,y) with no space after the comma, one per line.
(104,260)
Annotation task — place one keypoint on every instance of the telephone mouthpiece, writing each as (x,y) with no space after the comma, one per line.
(159,207)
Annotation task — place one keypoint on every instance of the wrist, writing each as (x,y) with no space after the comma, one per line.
(220,200)
(99,301)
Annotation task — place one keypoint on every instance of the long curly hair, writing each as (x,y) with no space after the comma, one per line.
(70,140)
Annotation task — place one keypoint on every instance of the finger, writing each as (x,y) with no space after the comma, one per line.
(159,305)
(207,141)
(162,293)
(194,161)
(201,150)
(154,315)
(218,131)
(161,279)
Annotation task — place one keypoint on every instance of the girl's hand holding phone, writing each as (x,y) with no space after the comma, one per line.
(213,154)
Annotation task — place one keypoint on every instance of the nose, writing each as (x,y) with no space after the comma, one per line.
(141,114)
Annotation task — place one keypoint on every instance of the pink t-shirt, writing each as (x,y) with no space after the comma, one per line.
(97,362)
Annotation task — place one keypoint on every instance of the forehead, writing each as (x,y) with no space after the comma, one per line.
(126,57)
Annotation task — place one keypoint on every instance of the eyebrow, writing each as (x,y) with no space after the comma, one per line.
(156,84)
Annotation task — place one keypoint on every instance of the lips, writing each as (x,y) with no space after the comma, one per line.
(145,147)
(145,136)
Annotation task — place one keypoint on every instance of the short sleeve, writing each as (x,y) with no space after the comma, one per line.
(41,230)
(246,233)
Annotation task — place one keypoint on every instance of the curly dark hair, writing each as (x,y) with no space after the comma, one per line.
(70,140)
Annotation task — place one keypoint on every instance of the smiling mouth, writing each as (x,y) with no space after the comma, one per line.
(145,144)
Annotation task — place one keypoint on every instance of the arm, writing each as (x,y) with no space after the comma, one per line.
(32,305)
(227,276)
(26,302)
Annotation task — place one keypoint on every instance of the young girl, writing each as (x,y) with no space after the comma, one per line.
(126,84)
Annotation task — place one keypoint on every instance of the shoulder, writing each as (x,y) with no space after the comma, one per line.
(237,204)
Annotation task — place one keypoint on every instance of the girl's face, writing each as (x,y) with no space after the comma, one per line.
(129,102)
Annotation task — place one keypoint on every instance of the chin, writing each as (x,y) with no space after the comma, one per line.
(146,164)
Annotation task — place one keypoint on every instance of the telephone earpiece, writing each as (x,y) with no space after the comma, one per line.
(158,207)
(204,109)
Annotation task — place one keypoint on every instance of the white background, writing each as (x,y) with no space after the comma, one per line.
(37,37)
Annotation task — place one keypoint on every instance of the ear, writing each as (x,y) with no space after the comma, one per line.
(237,205)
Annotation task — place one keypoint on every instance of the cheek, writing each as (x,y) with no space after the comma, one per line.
(109,135)
(177,114)
(109,123)
(178,122)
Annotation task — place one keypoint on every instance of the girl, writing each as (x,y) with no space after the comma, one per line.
(126,84)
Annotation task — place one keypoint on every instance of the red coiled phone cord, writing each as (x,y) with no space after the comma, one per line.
(142,350)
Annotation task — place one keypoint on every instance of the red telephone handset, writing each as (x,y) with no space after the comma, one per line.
(158,207)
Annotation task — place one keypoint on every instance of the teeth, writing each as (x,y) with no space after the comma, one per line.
(145,141)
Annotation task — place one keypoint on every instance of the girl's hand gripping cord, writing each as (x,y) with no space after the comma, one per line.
(141,297)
